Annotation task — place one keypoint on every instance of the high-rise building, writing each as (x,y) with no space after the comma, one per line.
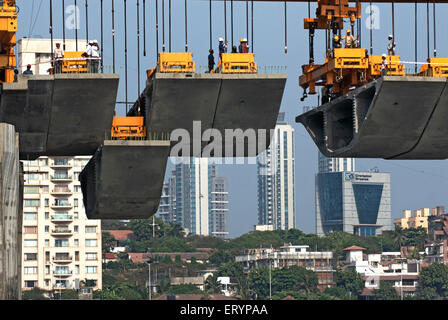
(335,164)
(196,198)
(276,205)
(353,202)
(61,247)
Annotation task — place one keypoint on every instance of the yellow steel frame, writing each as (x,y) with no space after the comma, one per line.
(436,67)
(8,29)
(237,63)
(124,128)
(73,62)
(177,62)
(394,67)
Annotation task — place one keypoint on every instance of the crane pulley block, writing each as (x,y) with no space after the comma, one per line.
(237,63)
(126,128)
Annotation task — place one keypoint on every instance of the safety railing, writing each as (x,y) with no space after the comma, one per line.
(264,69)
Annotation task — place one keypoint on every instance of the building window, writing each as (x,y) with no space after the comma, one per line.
(75,229)
(47,215)
(76,269)
(30,216)
(61,243)
(75,201)
(76,243)
(30,230)
(47,202)
(90,229)
(91,269)
(77,188)
(31,189)
(47,269)
(76,215)
(90,242)
(31,176)
(47,228)
(91,256)
(30,243)
(30,284)
(44,162)
(30,256)
(45,189)
(61,270)
(31,203)
(47,242)
(30,270)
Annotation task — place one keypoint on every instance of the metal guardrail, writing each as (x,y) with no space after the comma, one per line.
(261,69)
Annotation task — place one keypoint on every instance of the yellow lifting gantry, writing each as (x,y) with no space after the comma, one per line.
(8,29)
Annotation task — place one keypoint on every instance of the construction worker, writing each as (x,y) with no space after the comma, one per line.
(336,42)
(211,61)
(244,48)
(384,65)
(222,47)
(391,46)
(349,39)
(93,57)
(58,56)
(234,49)
(28,70)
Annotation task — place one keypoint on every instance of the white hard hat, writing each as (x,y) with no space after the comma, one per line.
(221,39)
(390,36)
(95,41)
(244,39)
(90,41)
(384,55)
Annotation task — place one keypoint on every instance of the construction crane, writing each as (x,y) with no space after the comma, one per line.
(8,29)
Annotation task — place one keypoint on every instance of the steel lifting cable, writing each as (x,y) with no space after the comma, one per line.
(51,31)
(225,21)
(76,24)
(210,14)
(371,31)
(393,21)
(113,36)
(138,48)
(427,25)
(125,56)
(87,23)
(252,25)
(247,20)
(434,27)
(169,25)
(186,28)
(415,35)
(231,20)
(286,31)
(157,31)
(63,24)
(163,25)
(144,28)
(102,37)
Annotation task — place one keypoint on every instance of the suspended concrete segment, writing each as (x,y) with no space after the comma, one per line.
(394,117)
(214,101)
(60,115)
(124,179)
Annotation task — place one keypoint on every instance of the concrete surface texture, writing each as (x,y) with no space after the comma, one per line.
(392,118)
(64,114)
(134,170)
(218,101)
(11,184)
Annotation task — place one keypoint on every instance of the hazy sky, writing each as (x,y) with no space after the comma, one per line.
(415,184)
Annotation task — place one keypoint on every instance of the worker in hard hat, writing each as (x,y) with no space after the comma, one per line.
(222,47)
(93,56)
(211,61)
(234,49)
(58,57)
(336,42)
(349,39)
(383,64)
(244,47)
(28,70)
(391,45)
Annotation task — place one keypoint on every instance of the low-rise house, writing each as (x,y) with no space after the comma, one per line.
(109,257)
(188,257)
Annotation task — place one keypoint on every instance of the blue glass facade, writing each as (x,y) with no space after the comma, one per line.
(367,199)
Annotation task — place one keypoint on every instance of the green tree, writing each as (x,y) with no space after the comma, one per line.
(351,281)
(70,295)
(34,294)
(107,241)
(142,228)
(184,289)
(212,284)
(106,294)
(433,282)
(174,230)
(259,283)
(386,292)
(219,257)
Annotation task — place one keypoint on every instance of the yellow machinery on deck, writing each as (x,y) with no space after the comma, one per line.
(177,62)
(74,62)
(436,67)
(8,29)
(237,63)
(128,128)
(394,67)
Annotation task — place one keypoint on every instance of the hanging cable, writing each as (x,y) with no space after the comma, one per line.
(169,24)
(125,56)
(63,25)
(286,32)
(434,27)
(163,25)
(51,31)
(427,25)
(157,31)
(144,28)
(210,11)
(247,20)
(186,29)
(231,20)
(415,36)
(371,31)
(309,9)
(76,24)
(87,23)
(113,36)
(138,48)
(225,21)
(102,38)
(393,21)
(252,24)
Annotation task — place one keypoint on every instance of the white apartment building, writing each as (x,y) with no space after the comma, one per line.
(61,248)
(275,166)
(335,164)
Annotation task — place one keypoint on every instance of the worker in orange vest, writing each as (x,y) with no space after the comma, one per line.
(244,48)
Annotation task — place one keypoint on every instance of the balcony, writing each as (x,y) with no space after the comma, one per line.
(62,273)
(62,259)
(61,205)
(61,163)
(61,232)
(61,218)
(61,178)
(61,191)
